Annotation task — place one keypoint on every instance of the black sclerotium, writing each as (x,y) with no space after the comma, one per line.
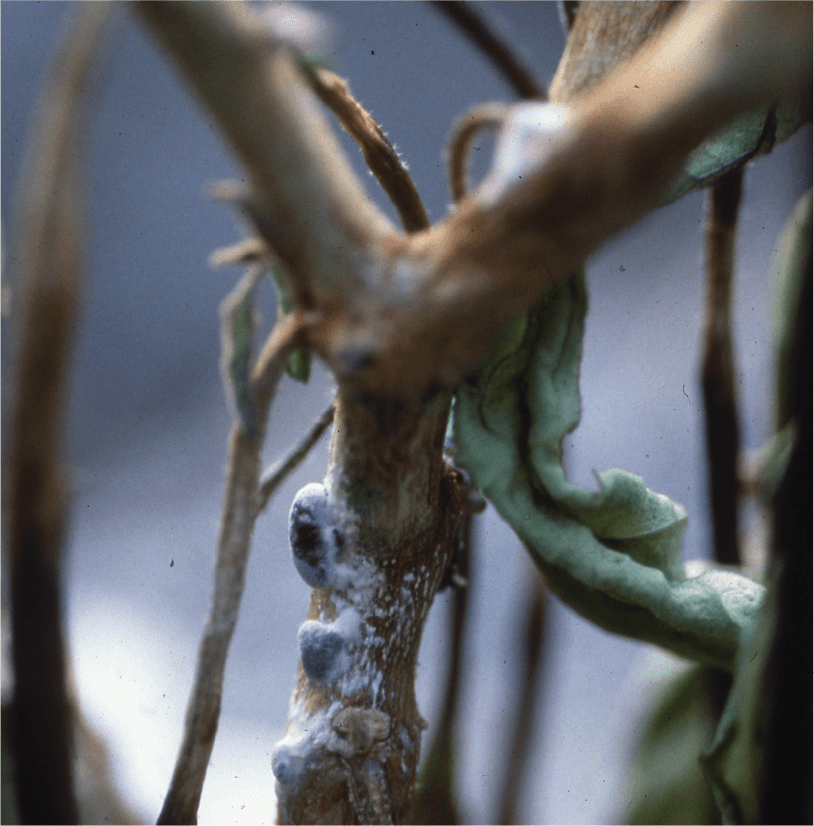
(315,540)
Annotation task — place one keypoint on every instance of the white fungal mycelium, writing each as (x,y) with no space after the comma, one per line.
(531,133)
(292,756)
(343,649)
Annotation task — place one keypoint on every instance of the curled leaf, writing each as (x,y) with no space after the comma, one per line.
(614,555)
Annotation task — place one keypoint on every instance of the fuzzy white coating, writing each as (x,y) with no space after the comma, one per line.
(297,751)
(530,134)
(314,536)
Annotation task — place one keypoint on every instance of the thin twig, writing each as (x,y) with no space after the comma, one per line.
(237,331)
(718,371)
(286,337)
(498,52)
(486,116)
(275,476)
(47,263)
(380,156)
(239,515)
(250,250)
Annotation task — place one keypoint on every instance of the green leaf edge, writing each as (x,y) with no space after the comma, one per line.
(736,144)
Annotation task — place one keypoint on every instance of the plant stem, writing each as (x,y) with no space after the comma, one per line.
(276,475)
(520,738)
(380,156)
(48,264)
(786,780)
(718,370)
(473,26)
(239,514)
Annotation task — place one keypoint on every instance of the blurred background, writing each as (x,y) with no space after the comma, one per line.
(148,422)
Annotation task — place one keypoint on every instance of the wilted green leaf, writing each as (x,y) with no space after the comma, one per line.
(733,764)
(614,555)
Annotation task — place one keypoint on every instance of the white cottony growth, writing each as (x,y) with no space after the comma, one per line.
(297,25)
(292,755)
(530,134)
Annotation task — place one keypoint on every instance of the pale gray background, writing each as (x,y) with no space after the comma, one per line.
(148,423)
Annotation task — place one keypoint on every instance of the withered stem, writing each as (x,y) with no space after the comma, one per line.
(380,156)
(47,267)
(718,369)
(275,476)
(487,116)
(237,525)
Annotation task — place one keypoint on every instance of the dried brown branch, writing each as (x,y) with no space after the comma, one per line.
(319,220)
(239,514)
(487,41)
(487,116)
(490,261)
(275,476)
(420,311)
(46,261)
(380,156)
(718,369)
(602,37)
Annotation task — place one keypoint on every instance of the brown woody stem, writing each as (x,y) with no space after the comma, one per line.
(380,156)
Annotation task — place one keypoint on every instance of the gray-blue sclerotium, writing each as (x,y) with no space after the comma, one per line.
(314,536)
(323,652)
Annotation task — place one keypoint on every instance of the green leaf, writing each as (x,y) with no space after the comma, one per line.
(733,765)
(614,555)
(752,134)
(667,783)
